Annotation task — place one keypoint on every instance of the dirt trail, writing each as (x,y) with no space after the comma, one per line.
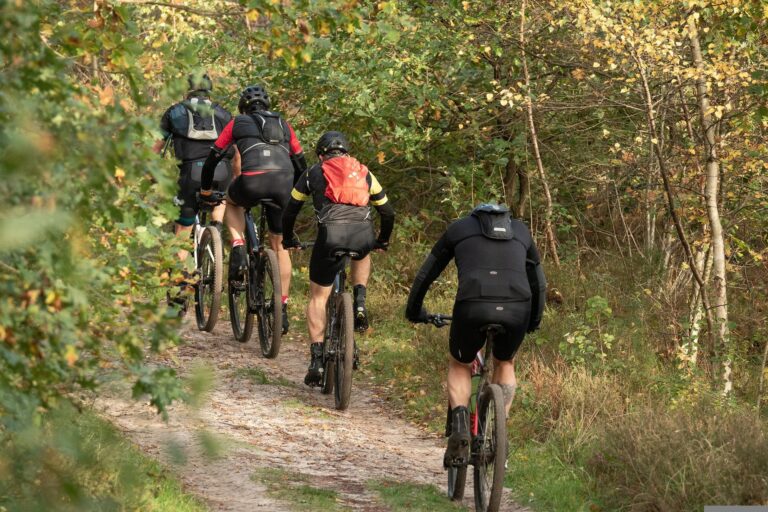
(279,425)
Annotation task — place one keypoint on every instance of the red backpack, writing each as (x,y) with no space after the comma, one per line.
(347,181)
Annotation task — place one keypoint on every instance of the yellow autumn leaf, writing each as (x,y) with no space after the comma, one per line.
(380,157)
(106,96)
(489,97)
(71,355)
(119,173)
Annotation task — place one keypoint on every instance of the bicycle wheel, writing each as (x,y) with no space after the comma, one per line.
(239,310)
(329,344)
(345,353)
(329,374)
(208,289)
(491,454)
(269,308)
(457,479)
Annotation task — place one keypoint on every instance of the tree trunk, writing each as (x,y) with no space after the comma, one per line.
(709,127)
(655,150)
(550,234)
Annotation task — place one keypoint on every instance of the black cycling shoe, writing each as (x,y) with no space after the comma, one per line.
(238,263)
(457,452)
(361,314)
(361,319)
(286,324)
(314,375)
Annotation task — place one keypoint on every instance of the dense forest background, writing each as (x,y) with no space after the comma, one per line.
(630,136)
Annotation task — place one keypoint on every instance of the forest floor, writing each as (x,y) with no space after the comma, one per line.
(262,440)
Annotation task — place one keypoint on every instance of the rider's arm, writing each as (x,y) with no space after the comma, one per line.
(299,194)
(380,201)
(298,160)
(218,151)
(438,259)
(165,131)
(538,285)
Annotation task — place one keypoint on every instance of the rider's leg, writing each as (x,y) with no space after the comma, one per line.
(318,297)
(284,261)
(459,383)
(235,218)
(183,232)
(504,375)
(360,272)
(459,390)
(217,215)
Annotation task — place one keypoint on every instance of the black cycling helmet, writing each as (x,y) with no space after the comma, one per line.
(491,208)
(199,83)
(331,141)
(252,95)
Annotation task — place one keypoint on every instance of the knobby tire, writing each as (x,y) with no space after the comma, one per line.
(457,480)
(345,355)
(210,259)
(270,311)
(492,451)
(240,314)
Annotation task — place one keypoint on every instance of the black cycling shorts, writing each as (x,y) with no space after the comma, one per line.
(189,183)
(323,266)
(469,317)
(248,189)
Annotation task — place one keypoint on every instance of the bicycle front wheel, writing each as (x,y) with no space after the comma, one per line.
(491,453)
(457,480)
(208,290)
(239,308)
(345,354)
(269,309)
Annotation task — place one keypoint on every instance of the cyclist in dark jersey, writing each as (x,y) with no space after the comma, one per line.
(271,159)
(500,282)
(361,190)
(191,126)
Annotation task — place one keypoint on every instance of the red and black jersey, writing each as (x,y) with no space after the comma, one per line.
(265,140)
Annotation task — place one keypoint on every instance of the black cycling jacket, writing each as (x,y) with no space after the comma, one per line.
(496,259)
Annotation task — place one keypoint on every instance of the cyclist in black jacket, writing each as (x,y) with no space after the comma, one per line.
(500,282)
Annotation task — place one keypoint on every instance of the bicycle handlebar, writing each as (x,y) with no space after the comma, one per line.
(438,319)
(216,197)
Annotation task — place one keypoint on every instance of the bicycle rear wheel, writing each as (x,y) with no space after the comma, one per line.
(345,353)
(208,289)
(269,310)
(239,309)
(491,454)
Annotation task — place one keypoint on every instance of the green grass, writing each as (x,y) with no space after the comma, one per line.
(413,497)
(259,377)
(295,489)
(539,480)
(79,462)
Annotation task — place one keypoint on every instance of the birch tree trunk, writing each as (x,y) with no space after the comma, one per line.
(709,126)
(551,242)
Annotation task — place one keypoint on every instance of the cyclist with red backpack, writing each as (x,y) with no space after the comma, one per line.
(271,159)
(341,189)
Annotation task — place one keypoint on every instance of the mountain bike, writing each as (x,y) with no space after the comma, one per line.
(258,293)
(339,350)
(209,258)
(488,429)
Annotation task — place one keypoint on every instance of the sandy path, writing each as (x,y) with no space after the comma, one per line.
(284,426)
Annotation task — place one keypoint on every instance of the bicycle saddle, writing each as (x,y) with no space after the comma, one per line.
(493,329)
(339,253)
(268,202)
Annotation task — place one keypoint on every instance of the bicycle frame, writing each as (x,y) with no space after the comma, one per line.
(254,246)
(339,283)
(480,370)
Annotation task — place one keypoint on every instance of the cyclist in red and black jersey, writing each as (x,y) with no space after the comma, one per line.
(271,159)
(338,180)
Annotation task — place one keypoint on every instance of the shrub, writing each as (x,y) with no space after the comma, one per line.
(666,460)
